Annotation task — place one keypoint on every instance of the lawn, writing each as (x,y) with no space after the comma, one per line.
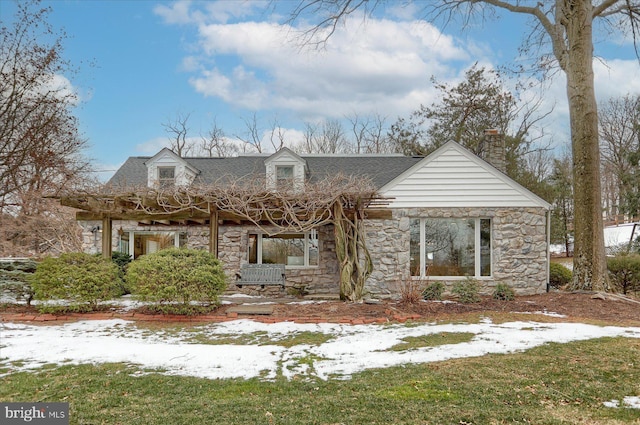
(551,384)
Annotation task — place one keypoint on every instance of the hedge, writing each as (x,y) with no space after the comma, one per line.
(174,278)
(82,279)
(624,272)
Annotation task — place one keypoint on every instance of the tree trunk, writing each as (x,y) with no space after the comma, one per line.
(589,262)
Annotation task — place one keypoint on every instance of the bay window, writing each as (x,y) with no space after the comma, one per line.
(291,249)
(450,247)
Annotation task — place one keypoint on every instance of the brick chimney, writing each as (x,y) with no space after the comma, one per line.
(494,149)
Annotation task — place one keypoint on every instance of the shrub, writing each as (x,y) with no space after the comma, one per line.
(468,290)
(504,292)
(82,279)
(624,272)
(122,260)
(410,291)
(173,278)
(559,275)
(433,291)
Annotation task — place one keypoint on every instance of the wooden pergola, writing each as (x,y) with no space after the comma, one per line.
(149,208)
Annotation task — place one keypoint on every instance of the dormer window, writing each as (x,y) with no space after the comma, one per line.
(166,177)
(166,170)
(284,177)
(285,171)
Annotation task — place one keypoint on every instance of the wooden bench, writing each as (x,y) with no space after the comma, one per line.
(261,274)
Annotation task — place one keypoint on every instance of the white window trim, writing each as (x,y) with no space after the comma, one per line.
(297,178)
(477,251)
(307,246)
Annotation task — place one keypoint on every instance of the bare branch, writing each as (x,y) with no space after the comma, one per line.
(178,130)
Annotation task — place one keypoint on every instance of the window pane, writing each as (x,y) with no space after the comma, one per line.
(485,247)
(253,249)
(450,247)
(313,248)
(147,243)
(284,172)
(166,176)
(123,244)
(283,249)
(414,246)
(284,177)
(166,172)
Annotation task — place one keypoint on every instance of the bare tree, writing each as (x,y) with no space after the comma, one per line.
(178,132)
(40,145)
(562,215)
(254,137)
(369,133)
(216,144)
(326,137)
(567,27)
(251,139)
(277,135)
(619,121)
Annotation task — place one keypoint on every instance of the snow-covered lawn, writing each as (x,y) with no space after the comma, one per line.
(205,351)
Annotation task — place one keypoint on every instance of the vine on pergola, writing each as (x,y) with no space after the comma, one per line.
(339,200)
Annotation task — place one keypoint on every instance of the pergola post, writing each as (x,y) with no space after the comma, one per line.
(213,233)
(106,237)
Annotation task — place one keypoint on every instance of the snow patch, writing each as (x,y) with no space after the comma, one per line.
(350,348)
(631,402)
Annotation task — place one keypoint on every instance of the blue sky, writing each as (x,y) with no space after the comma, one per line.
(227,60)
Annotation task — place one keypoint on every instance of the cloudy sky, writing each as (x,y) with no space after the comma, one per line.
(143,63)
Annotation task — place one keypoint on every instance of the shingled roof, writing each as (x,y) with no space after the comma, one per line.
(381,169)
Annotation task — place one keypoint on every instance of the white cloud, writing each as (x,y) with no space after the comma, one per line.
(183,12)
(380,66)
(369,66)
(178,13)
(153,146)
(616,78)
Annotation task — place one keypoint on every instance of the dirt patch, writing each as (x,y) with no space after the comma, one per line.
(575,306)
(553,306)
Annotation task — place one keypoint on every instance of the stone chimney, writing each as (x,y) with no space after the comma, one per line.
(494,149)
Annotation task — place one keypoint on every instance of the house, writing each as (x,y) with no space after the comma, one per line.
(444,217)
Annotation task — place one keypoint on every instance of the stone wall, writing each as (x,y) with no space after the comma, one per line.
(519,248)
(233,250)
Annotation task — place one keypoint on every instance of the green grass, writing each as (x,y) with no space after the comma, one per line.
(433,340)
(201,335)
(551,384)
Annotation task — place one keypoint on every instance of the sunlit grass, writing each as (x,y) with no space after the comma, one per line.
(432,340)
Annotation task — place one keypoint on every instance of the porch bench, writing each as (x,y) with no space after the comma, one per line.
(261,274)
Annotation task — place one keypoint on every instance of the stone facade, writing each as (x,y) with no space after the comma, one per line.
(519,250)
(233,251)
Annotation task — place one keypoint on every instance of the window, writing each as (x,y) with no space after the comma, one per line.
(141,243)
(284,177)
(450,247)
(166,176)
(295,249)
